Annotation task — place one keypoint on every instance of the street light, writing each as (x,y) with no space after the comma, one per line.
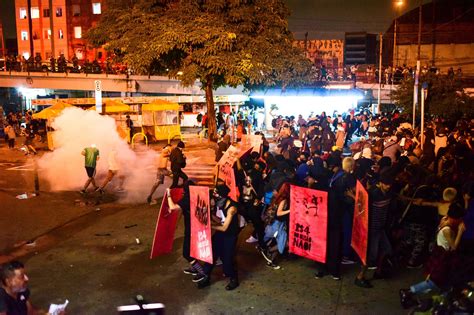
(398,7)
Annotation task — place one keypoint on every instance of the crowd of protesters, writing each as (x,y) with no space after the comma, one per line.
(62,65)
(18,125)
(370,73)
(421,205)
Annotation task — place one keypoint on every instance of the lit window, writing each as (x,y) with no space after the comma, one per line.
(24,35)
(46,13)
(76,10)
(59,12)
(77,32)
(47,34)
(96,9)
(35,13)
(60,34)
(23,14)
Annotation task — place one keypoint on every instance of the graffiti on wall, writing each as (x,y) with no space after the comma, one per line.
(329,52)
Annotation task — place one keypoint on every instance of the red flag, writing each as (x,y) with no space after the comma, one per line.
(201,246)
(360,226)
(166,225)
(308,223)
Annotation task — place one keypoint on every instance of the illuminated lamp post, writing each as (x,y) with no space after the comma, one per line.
(398,6)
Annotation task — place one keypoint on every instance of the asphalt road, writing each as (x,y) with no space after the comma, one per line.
(87,253)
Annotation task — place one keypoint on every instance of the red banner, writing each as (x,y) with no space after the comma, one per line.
(308,223)
(166,225)
(360,226)
(201,246)
(227,175)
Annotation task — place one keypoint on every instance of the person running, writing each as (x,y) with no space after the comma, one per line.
(91,156)
(178,162)
(113,170)
(162,171)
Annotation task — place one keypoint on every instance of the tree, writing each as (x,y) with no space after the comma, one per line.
(218,42)
(446,97)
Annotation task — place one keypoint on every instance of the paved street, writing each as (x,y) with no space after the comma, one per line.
(85,250)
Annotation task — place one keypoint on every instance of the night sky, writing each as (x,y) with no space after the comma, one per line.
(324,19)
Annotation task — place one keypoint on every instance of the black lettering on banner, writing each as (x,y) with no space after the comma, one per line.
(312,204)
(202,213)
(301,239)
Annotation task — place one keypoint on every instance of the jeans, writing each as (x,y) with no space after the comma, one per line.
(176,175)
(423,287)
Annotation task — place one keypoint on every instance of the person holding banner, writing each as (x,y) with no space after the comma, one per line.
(380,200)
(224,241)
(195,268)
(340,201)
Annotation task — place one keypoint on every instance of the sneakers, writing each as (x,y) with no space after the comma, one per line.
(266,255)
(148,199)
(363,283)
(100,190)
(200,277)
(347,261)
(190,271)
(218,262)
(205,282)
(82,191)
(319,275)
(337,278)
(233,283)
(153,202)
(273,265)
(251,239)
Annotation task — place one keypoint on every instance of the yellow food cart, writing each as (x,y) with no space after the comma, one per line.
(160,120)
(49,114)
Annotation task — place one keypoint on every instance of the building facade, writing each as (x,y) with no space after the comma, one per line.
(59,29)
(447,37)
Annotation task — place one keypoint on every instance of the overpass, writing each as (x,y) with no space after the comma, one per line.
(86,82)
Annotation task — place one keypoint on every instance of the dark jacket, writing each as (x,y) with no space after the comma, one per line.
(178,161)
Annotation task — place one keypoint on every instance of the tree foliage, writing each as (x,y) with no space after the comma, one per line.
(219,42)
(445,96)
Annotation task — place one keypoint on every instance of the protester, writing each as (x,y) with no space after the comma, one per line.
(178,162)
(91,156)
(114,169)
(162,171)
(14,292)
(224,240)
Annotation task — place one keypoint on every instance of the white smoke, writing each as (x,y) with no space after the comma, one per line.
(76,129)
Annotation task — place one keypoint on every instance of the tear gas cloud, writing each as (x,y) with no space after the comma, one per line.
(76,129)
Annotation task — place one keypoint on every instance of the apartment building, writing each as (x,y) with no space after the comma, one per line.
(57,29)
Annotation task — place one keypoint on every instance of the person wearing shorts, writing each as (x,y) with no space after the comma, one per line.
(114,169)
(162,171)
(91,156)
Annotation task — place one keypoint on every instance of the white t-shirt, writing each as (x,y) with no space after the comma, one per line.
(112,160)
(441,239)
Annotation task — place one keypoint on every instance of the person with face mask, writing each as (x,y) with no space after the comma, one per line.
(14,292)
(224,240)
